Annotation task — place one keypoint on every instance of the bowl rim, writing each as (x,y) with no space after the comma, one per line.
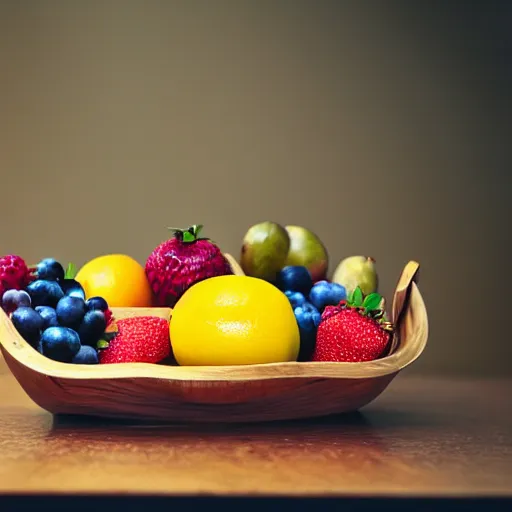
(413,337)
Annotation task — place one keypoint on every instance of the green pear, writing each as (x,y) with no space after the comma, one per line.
(307,250)
(357,271)
(264,250)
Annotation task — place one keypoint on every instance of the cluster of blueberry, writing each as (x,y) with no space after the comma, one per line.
(52,315)
(308,301)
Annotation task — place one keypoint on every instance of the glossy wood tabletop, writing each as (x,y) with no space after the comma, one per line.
(421,437)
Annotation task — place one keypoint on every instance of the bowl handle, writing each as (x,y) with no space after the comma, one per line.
(409,275)
(235,266)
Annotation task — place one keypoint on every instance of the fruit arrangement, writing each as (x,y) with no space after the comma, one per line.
(48,307)
(284,307)
(295,260)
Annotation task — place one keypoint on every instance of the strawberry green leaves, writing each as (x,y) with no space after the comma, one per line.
(356,298)
(372,302)
(188,235)
(71,271)
(372,306)
(102,344)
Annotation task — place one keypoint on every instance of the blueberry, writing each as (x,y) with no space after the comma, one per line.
(28,323)
(92,327)
(96,303)
(60,343)
(319,295)
(44,293)
(338,293)
(50,270)
(70,311)
(324,294)
(295,298)
(294,278)
(86,355)
(307,315)
(72,288)
(13,299)
(49,316)
(308,319)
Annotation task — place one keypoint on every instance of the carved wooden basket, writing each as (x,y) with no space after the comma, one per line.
(251,393)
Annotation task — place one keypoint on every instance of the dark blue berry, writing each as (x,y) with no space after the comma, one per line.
(13,299)
(50,270)
(86,355)
(92,327)
(72,288)
(28,323)
(338,293)
(324,294)
(44,293)
(60,343)
(49,316)
(308,319)
(295,298)
(294,278)
(70,311)
(96,303)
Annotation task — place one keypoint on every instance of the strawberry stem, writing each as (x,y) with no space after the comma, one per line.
(387,326)
(187,235)
(371,306)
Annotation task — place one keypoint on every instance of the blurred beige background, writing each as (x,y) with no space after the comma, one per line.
(383,126)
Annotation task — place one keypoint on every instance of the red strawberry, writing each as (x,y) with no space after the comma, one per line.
(14,273)
(353,331)
(176,264)
(142,339)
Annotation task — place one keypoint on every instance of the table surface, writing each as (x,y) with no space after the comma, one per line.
(422,436)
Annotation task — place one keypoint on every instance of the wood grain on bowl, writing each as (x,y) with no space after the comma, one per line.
(248,393)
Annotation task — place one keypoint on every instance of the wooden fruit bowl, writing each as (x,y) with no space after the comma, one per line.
(252,393)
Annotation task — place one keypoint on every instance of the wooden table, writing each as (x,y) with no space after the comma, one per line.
(423,437)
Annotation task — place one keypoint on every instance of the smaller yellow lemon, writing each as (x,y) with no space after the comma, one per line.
(118,278)
(233,320)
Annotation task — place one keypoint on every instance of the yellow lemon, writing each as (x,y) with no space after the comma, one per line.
(118,278)
(233,320)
